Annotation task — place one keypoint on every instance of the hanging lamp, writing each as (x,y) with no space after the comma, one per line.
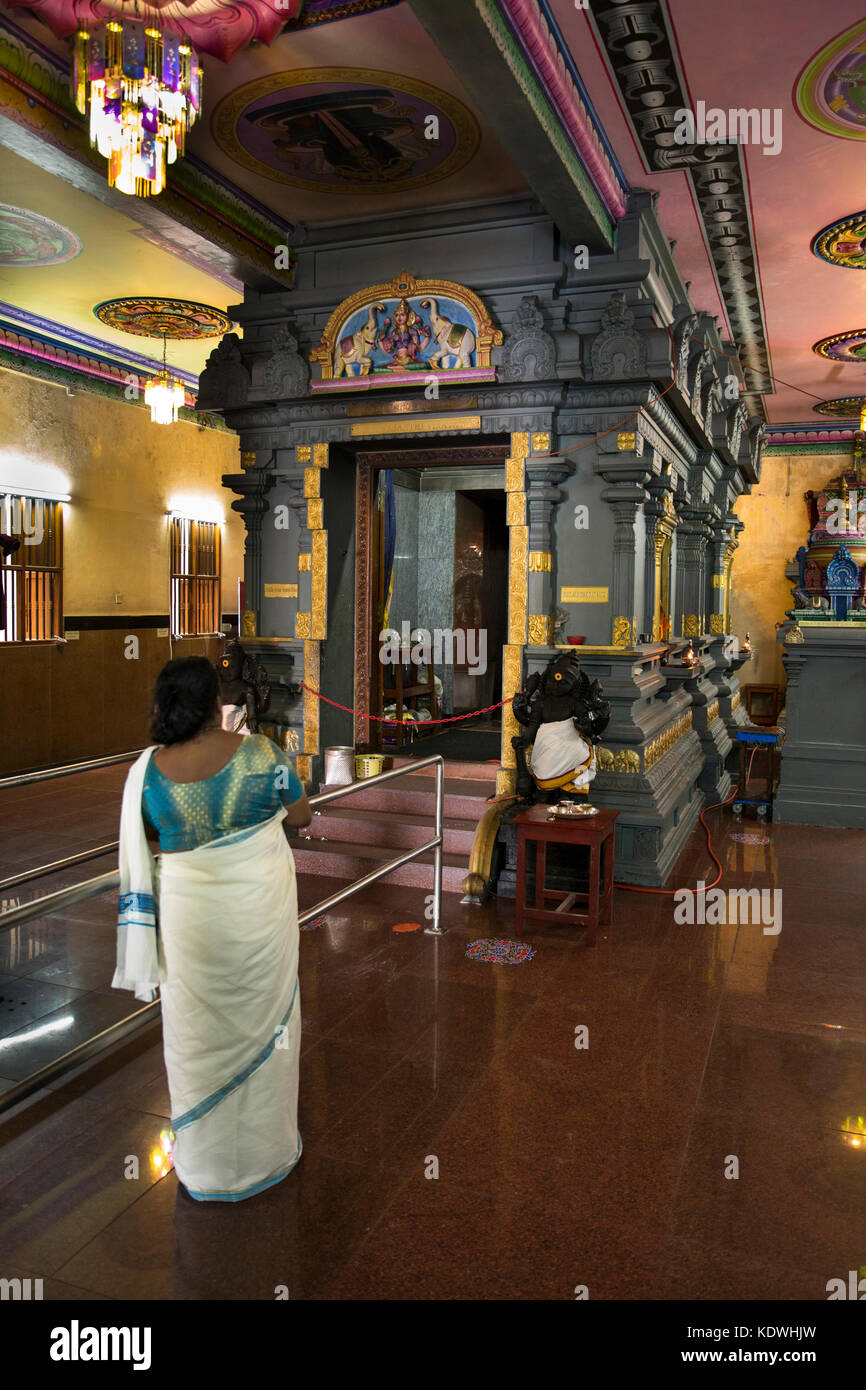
(164,394)
(136,69)
(143,90)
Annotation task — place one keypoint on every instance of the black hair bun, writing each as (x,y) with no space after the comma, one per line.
(184,699)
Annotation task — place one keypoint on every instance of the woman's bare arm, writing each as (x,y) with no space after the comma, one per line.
(299,813)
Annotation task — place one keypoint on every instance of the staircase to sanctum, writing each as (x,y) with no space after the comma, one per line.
(351,837)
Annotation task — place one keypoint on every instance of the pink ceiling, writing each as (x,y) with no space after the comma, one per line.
(749,53)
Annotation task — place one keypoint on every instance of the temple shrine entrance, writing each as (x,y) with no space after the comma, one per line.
(436,595)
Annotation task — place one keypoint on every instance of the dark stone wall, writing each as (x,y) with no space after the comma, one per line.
(625,376)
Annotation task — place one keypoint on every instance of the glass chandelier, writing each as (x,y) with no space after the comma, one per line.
(144,92)
(164,394)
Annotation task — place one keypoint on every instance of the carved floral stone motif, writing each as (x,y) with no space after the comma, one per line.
(619,350)
(286,372)
(530,352)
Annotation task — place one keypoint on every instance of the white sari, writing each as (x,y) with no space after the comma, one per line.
(228,957)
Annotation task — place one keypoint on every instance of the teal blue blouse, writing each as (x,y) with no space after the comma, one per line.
(249,790)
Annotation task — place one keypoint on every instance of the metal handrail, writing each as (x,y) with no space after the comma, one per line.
(52,902)
(20,778)
(58,864)
(93,887)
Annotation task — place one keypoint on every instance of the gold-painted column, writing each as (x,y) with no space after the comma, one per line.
(729,560)
(311,626)
(518,559)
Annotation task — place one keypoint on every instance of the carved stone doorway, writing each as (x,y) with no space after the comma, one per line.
(369,683)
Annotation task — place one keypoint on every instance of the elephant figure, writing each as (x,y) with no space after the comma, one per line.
(358,346)
(452,339)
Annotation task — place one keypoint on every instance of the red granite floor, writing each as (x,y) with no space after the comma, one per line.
(710,1050)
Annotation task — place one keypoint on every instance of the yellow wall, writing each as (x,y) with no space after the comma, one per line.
(89,698)
(122,472)
(776,525)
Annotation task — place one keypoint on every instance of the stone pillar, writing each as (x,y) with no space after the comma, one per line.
(626,473)
(542,477)
(311,622)
(518,562)
(691,546)
(624,501)
(661,521)
(716,578)
(696,681)
(252,504)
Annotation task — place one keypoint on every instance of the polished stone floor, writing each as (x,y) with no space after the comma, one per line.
(711,1050)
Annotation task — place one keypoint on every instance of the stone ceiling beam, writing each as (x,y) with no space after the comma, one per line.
(533,109)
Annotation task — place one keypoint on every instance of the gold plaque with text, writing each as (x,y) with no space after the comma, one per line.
(577,595)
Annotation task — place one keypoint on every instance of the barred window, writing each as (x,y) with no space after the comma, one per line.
(31,574)
(195,577)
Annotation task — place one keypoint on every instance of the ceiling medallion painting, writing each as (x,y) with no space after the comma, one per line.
(831,90)
(339,130)
(843,242)
(847,407)
(402,333)
(163,318)
(843,347)
(28,240)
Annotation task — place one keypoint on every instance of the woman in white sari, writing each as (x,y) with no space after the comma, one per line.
(216,929)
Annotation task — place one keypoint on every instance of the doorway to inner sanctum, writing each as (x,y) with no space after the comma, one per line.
(437,591)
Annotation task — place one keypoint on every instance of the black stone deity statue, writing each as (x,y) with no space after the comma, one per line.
(563,716)
(244,688)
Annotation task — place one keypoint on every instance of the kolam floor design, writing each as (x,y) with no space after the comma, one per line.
(557,1166)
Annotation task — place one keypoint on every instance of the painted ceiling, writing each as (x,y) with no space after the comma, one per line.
(62,253)
(325,122)
(749,54)
(328,123)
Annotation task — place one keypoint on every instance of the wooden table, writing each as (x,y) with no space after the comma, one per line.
(597,833)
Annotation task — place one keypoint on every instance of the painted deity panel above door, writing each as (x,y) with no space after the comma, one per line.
(404,333)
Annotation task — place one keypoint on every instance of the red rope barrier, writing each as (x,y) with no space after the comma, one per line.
(418,723)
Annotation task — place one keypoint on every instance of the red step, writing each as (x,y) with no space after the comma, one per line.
(347,860)
(394,827)
(414,795)
(481,772)
(350,837)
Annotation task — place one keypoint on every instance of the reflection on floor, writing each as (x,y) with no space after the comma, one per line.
(558,1166)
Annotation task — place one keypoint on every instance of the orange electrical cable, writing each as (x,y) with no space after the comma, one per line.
(633,888)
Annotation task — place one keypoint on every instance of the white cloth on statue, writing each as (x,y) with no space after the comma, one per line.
(233,717)
(559,756)
(137,942)
(231,1011)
